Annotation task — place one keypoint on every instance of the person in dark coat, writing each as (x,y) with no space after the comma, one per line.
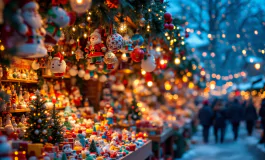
(206,117)
(262,116)
(235,115)
(219,121)
(250,115)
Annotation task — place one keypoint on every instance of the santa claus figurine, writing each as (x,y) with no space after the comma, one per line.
(57,18)
(32,30)
(96,48)
(58,65)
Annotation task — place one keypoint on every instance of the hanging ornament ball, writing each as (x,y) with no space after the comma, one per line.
(44,131)
(149,64)
(166,26)
(110,58)
(81,73)
(137,39)
(112,3)
(39,120)
(72,16)
(80,6)
(50,138)
(44,106)
(137,54)
(114,41)
(87,76)
(35,65)
(167,16)
(142,22)
(171,26)
(72,41)
(52,124)
(36,132)
(103,78)
(73,71)
(38,126)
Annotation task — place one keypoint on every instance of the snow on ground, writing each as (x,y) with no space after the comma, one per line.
(245,148)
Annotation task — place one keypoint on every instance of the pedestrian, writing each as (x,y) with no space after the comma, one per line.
(250,115)
(206,117)
(235,115)
(262,116)
(219,121)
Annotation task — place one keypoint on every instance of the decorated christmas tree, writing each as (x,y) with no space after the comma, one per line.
(56,128)
(93,147)
(133,112)
(37,132)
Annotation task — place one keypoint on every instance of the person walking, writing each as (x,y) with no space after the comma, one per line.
(235,115)
(206,117)
(250,115)
(262,117)
(219,121)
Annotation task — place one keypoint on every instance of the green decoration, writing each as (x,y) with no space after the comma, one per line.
(37,132)
(93,147)
(134,112)
(56,128)
(64,157)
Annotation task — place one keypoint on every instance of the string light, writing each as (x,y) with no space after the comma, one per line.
(257,66)
(79,1)
(256,32)
(74,29)
(149,83)
(177,61)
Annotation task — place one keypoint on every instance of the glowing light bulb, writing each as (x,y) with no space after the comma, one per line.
(123,27)
(79,1)
(162,61)
(257,66)
(150,84)
(143,72)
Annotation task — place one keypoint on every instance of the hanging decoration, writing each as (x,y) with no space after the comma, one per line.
(110,59)
(168,21)
(137,54)
(114,41)
(58,65)
(148,63)
(32,30)
(57,18)
(80,6)
(137,39)
(73,71)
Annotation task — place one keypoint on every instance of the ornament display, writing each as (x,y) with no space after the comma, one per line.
(57,18)
(127,44)
(112,3)
(58,65)
(137,54)
(114,41)
(137,39)
(80,6)
(110,59)
(168,21)
(32,30)
(148,64)
(96,48)
(79,54)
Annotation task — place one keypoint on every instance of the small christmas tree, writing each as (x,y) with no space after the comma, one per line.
(37,131)
(134,112)
(56,128)
(93,147)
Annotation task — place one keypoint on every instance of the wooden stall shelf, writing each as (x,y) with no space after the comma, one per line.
(141,153)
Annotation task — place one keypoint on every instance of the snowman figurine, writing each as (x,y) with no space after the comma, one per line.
(58,65)
(67,150)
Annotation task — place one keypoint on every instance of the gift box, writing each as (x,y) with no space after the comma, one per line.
(35,147)
(20,145)
(50,148)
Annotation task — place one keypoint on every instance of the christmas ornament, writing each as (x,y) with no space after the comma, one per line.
(57,18)
(36,132)
(96,48)
(112,3)
(87,75)
(35,65)
(114,41)
(79,54)
(167,16)
(110,59)
(39,120)
(81,73)
(127,44)
(44,131)
(137,39)
(170,26)
(32,30)
(124,57)
(103,78)
(58,65)
(168,21)
(80,6)
(142,22)
(73,71)
(137,54)
(148,64)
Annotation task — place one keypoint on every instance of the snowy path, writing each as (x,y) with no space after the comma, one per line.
(245,148)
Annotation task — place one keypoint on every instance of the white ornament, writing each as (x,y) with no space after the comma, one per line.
(58,65)
(36,132)
(35,65)
(114,41)
(103,78)
(149,64)
(87,76)
(80,6)
(44,131)
(81,73)
(73,71)
(91,67)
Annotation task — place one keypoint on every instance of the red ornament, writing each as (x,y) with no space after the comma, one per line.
(170,20)
(50,138)
(112,3)
(38,126)
(148,77)
(167,16)
(137,54)
(171,26)
(166,26)
(72,16)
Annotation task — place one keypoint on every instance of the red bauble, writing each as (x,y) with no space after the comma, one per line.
(166,26)
(38,126)
(167,16)
(50,138)
(148,77)
(72,16)
(171,26)
(137,54)
(170,20)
